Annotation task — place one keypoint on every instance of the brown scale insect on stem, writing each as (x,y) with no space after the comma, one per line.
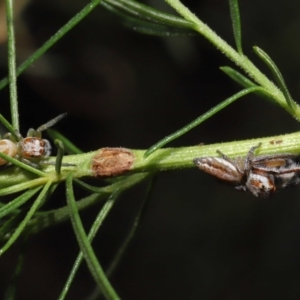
(112,162)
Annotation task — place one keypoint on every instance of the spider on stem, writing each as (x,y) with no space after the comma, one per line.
(32,149)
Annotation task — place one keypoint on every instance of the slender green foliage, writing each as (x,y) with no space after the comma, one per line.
(135,226)
(17,220)
(11,291)
(245,82)
(147,20)
(28,216)
(277,76)
(200,120)
(68,145)
(10,224)
(236,24)
(54,39)
(22,165)
(241,60)
(92,233)
(88,187)
(85,247)
(238,77)
(60,154)
(11,207)
(12,74)
(8,126)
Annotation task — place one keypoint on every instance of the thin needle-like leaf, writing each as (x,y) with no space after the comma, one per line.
(240,60)
(238,77)
(136,224)
(10,293)
(148,20)
(94,229)
(23,186)
(88,187)
(85,246)
(236,24)
(54,39)
(69,146)
(245,82)
(50,218)
(277,76)
(12,74)
(96,293)
(60,154)
(22,165)
(9,225)
(200,120)
(144,12)
(14,204)
(28,216)
(9,127)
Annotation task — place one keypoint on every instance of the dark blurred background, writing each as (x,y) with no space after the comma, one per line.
(200,239)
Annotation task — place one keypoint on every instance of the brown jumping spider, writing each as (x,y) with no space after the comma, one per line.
(260,175)
(32,150)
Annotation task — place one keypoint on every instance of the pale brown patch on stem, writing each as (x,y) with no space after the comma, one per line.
(112,161)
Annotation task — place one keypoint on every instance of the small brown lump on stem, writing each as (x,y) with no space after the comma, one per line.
(112,162)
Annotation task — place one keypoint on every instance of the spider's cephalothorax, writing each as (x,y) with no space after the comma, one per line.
(32,149)
(260,175)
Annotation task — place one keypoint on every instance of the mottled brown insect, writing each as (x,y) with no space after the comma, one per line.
(260,175)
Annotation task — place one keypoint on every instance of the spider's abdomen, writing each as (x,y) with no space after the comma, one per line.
(9,148)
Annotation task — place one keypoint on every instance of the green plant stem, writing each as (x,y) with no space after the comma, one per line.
(53,40)
(12,77)
(14,180)
(177,158)
(241,60)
